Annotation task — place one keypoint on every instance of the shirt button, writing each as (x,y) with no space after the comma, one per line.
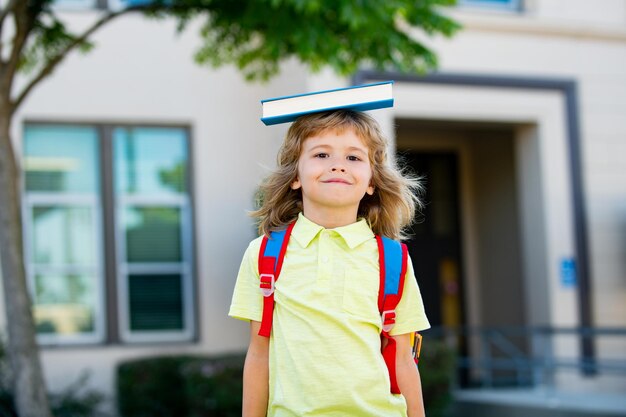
(325,259)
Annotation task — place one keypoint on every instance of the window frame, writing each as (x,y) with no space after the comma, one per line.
(38,199)
(184,267)
(112,309)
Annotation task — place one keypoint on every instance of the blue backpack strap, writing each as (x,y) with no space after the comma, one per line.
(271,256)
(273,245)
(393,259)
(393,265)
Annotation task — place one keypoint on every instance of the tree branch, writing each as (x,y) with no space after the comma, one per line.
(54,61)
(19,9)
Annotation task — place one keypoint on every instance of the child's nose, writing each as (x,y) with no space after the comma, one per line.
(341,169)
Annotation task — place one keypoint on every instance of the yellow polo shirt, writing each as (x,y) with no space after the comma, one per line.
(324,357)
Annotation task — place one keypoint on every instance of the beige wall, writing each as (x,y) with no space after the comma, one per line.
(585,41)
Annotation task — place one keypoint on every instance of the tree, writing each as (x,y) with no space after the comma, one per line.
(254,35)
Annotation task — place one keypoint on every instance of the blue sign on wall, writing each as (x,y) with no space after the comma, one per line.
(568,272)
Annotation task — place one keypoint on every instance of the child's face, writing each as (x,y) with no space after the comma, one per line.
(334,173)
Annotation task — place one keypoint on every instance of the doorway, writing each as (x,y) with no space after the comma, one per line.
(435,243)
(466,244)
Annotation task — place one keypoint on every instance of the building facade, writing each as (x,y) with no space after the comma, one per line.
(140,167)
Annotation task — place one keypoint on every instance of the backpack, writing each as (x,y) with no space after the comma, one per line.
(392,258)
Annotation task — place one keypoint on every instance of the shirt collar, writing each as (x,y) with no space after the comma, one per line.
(353,234)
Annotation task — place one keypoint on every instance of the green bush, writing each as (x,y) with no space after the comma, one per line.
(151,387)
(7,408)
(74,401)
(192,386)
(437,367)
(182,386)
(69,403)
(213,388)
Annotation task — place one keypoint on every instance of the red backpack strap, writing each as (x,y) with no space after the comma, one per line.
(271,256)
(392,259)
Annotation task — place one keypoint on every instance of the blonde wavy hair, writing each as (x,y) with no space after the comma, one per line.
(388,211)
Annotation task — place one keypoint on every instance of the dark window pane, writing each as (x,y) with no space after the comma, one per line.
(152,234)
(155,302)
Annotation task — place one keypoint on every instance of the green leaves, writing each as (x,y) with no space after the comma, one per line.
(256,35)
(48,39)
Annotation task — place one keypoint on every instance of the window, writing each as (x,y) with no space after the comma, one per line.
(512,5)
(142,268)
(94,4)
(122,4)
(75,4)
(61,212)
(150,167)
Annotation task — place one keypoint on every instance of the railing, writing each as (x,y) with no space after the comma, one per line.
(531,356)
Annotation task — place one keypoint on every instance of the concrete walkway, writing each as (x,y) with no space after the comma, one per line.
(538,402)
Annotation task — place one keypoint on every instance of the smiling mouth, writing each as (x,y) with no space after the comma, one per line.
(336,181)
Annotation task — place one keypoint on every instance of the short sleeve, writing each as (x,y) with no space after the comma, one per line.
(410,314)
(247,301)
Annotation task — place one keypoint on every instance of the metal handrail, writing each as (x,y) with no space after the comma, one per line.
(493,349)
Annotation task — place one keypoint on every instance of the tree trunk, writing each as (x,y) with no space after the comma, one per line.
(28,384)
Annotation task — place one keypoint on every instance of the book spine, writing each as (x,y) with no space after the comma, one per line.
(285,118)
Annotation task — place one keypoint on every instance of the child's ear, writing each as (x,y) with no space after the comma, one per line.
(370,190)
(296,184)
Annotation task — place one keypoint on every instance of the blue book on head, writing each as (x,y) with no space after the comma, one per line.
(361,97)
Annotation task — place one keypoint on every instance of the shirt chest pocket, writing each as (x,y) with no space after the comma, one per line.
(360,296)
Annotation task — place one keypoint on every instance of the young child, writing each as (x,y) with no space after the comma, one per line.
(323,358)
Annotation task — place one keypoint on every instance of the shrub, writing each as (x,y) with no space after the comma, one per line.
(74,401)
(193,386)
(214,387)
(437,367)
(184,386)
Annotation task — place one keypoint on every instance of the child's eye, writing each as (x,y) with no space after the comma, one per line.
(321,155)
(353,158)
